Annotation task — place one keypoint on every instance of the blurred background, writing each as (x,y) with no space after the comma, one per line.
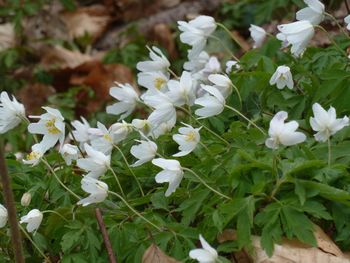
(70,52)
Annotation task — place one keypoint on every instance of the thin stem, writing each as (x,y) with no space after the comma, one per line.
(116,178)
(239,95)
(244,117)
(35,245)
(205,184)
(59,180)
(226,48)
(134,211)
(205,127)
(26,120)
(232,36)
(56,213)
(329,151)
(69,126)
(347,6)
(331,39)
(337,23)
(173,73)
(11,208)
(131,171)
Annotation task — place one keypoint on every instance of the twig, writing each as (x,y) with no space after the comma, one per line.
(347,6)
(105,236)
(11,209)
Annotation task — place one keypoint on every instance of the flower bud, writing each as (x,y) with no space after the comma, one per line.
(26,198)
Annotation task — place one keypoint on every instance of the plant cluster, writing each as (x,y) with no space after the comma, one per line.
(195,154)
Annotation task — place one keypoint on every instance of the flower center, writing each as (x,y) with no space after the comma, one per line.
(50,125)
(191,136)
(107,137)
(33,156)
(159,82)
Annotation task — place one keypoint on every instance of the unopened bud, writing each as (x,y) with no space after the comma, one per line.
(26,198)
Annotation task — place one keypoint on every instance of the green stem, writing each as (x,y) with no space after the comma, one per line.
(131,171)
(173,73)
(35,245)
(331,39)
(58,179)
(134,211)
(205,184)
(329,151)
(337,23)
(226,48)
(56,213)
(116,178)
(239,95)
(244,117)
(232,36)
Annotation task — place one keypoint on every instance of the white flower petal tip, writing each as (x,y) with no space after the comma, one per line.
(206,254)
(11,112)
(258,34)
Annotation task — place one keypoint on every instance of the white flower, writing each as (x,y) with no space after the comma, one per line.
(11,112)
(213,103)
(143,126)
(298,34)
(187,140)
(103,139)
(206,254)
(211,67)
(127,97)
(197,63)
(183,91)
(163,128)
(196,32)
(347,21)
(69,153)
(51,125)
(230,65)
(145,152)
(158,62)
(33,220)
(314,13)
(258,34)
(81,132)
(34,157)
(282,77)
(96,164)
(98,191)
(283,133)
(26,198)
(164,109)
(326,123)
(222,83)
(172,173)
(153,80)
(3,216)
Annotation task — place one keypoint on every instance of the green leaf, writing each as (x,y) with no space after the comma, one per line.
(70,239)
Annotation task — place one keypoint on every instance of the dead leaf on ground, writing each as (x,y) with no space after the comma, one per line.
(294,252)
(154,254)
(325,243)
(163,35)
(7,36)
(34,96)
(92,20)
(59,57)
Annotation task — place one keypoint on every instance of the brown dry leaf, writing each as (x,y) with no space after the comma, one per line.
(243,43)
(59,57)
(34,96)
(294,252)
(92,20)
(227,235)
(154,254)
(7,36)
(163,35)
(325,243)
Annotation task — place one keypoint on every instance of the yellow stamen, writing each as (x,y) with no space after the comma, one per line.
(107,137)
(159,82)
(33,156)
(191,136)
(50,125)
